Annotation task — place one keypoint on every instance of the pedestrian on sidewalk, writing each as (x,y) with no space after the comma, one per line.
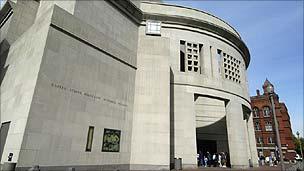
(214,160)
(219,160)
(205,161)
(209,159)
(201,158)
(270,160)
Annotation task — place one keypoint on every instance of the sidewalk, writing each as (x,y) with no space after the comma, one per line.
(288,167)
(262,168)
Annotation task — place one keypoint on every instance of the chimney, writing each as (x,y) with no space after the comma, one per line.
(258,92)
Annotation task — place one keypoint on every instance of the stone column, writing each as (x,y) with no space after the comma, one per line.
(150,146)
(215,63)
(237,138)
(206,61)
(184,127)
(252,142)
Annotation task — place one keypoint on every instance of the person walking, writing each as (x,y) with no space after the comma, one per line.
(219,160)
(270,161)
(209,159)
(205,161)
(214,160)
(201,158)
(223,159)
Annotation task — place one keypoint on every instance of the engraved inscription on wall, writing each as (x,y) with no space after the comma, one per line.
(87,94)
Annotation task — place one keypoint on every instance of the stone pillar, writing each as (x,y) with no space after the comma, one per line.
(150,145)
(215,63)
(206,63)
(252,142)
(237,138)
(184,127)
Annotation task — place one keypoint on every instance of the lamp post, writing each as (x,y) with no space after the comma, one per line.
(270,91)
(298,134)
(262,147)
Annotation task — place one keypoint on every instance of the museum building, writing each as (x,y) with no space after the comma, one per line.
(121,85)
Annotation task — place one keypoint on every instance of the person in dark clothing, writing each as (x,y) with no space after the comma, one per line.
(201,158)
(228,160)
(209,159)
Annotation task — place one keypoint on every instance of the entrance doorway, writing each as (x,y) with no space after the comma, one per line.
(206,145)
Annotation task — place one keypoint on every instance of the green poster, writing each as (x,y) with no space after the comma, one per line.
(111,140)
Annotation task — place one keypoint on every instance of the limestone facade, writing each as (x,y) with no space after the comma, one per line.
(121,85)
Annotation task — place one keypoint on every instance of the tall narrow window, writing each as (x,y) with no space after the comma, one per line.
(259,140)
(270,140)
(182,56)
(201,57)
(257,126)
(90,138)
(266,111)
(211,59)
(255,112)
(219,58)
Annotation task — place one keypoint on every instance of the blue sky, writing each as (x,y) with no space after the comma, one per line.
(273,32)
(1,3)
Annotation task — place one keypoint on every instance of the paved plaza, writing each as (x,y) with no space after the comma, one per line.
(289,167)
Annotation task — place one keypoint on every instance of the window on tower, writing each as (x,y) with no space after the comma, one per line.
(257,126)
(255,112)
(270,140)
(259,140)
(268,126)
(266,111)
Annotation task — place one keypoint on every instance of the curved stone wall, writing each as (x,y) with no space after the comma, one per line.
(190,74)
(175,10)
(192,18)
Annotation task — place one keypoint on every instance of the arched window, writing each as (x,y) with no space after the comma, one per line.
(266,111)
(270,140)
(259,140)
(255,112)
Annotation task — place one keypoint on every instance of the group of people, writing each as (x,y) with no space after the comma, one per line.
(212,160)
(271,160)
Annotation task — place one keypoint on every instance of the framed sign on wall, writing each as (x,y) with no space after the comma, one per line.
(111,140)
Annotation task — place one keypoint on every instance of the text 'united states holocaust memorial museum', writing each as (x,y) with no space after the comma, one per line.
(121,85)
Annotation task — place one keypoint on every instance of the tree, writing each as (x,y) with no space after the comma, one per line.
(297,144)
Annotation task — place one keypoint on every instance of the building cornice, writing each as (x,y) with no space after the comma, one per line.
(129,9)
(204,25)
(5,12)
(136,15)
(193,9)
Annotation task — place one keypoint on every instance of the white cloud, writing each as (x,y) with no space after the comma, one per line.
(2,2)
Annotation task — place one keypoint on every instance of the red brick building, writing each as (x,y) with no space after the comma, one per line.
(264,125)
